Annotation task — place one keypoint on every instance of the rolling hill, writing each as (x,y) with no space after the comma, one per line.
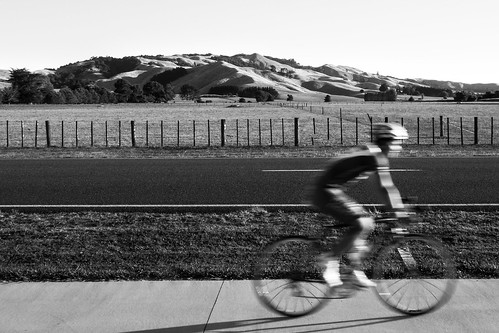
(208,70)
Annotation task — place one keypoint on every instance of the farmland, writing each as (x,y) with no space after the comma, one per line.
(188,124)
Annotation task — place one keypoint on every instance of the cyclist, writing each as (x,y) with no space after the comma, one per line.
(330,198)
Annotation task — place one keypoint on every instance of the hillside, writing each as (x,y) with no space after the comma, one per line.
(206,71)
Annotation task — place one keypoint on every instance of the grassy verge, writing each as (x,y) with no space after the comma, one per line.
(240,152)
(92,246)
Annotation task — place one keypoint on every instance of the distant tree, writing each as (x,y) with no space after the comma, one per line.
(263,96)
(67,96)
(188,92)
(123,90)
(169,92)
(290,98)
(154,92)
(29,87)
(9,96)
(383,87)
(327,99)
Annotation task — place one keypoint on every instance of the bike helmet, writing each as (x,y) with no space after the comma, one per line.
(389,131)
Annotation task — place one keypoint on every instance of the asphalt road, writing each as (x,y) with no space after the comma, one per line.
(230,181)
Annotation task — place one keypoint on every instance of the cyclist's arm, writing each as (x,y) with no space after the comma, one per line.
(389,192)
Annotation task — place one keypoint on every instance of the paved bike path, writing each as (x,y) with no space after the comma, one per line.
(223,306)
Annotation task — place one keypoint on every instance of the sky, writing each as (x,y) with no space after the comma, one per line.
(453,40)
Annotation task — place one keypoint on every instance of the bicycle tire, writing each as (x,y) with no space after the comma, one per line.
(414,275)
(288,277)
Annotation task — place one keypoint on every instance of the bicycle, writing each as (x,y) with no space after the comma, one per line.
(414,273)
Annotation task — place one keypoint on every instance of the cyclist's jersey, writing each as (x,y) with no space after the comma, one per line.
(353,167)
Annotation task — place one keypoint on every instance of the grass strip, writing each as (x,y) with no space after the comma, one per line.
(100,246)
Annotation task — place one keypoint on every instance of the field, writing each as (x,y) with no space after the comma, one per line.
(188,124)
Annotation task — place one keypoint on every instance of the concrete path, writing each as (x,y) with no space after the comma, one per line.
(223,306)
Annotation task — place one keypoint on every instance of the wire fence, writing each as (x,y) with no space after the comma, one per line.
(325,131)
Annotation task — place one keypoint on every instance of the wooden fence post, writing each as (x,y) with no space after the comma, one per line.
(356,131)
(441,126)
(194,133)
(22,134)
(222,132)
(248,131)
(132,132)
(147,133)
(296,133)
(119,133)
(448,132)
(418,132)
(433,128)
(237,132)
(209,134)
(76,135)
(62,133)
(47,132)
(271,139)
(91,133)
(161,141)
(341,127)
(491,130)
(107,141)
(476,130)
(7,129)
(36,134)
(461,120)
(178,133)
(282,127)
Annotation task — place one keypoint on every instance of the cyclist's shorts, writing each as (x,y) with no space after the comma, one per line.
(335,202)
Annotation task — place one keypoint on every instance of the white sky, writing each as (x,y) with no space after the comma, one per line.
(433,39)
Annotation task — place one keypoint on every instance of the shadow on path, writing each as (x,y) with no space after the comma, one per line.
(254,325)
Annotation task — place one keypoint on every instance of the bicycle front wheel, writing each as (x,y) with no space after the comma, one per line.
(288,277)
(415,275)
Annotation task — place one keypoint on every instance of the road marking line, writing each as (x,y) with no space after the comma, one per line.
(320,170)
(229,205)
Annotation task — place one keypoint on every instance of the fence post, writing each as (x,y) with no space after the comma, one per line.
(441,126)
(92,133)
(313,136)
(418,131)
(209,134)
(107,142)
(147,133)
(282,127)
(47,132)
(7,128)
(248,131)
(328,133)
(119,133)
(237,132)
(161,133)
(296,132)
(194,133)
(178,133)
(36,134)
(491,130)
(341,127)
(260,131)
(476,130)
(132,132)
(433,129)
(356,131)
(271,140)
(76,135)
(461,120)
(386,119)
(448,132)
(22,134)
(222,132)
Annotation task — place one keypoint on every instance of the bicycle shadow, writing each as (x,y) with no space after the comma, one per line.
(246,325)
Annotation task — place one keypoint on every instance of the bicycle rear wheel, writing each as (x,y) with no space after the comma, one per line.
(288,277)
(415,275)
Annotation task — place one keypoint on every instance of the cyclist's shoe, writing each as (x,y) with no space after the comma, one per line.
(360,279)
(332,273)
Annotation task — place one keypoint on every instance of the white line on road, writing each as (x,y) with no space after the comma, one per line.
(221,206)
(320,170)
